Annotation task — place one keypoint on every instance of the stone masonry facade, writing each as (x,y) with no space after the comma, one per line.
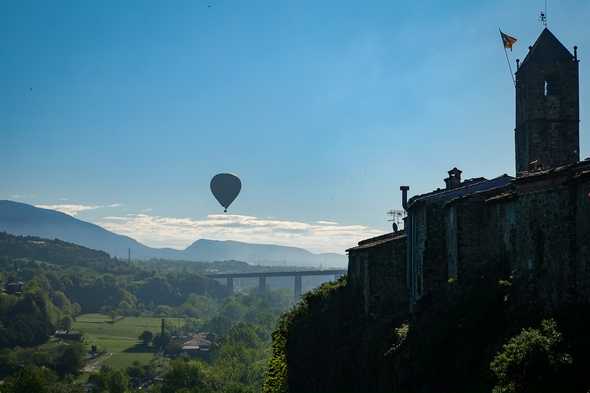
(536,224)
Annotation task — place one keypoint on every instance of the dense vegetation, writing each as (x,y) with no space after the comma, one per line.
(297,344)
(64,282)
(238,361)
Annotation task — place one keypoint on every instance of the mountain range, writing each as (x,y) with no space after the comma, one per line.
(23,219)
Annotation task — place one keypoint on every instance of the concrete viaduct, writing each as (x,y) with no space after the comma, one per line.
(297,275)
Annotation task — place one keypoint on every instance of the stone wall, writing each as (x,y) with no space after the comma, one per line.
(428,249)
(539,227)
(377,274)
(377,280)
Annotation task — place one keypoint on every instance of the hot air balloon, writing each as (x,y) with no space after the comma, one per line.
(225,188)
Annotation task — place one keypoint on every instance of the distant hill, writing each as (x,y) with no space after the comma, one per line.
(23,219)
(261,254)
(53,251)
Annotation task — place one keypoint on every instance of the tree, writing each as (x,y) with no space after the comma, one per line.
(146,337)
(199,306)
(109,380)
(183,376)
(61,301)
(531,361)
(70,360)
(118,382)
(219,325)
(66,323)
(29,379)
(135,371)
(76,309)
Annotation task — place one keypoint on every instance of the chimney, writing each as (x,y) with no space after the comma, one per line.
(454,179)
(404,190)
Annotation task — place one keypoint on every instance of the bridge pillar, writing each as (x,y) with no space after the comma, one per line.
(298,286)
(261,284)
(230,284)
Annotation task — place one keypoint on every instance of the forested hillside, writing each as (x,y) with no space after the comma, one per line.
(51,251)
(51,284)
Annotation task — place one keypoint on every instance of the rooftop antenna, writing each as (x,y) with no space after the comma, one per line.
(397,218)
(543,16)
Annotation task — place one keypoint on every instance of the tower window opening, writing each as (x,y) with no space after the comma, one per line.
(545,89)
(551,87)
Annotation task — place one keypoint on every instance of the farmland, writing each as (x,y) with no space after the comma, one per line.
(119,338)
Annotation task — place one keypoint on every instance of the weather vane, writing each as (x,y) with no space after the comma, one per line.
(543,16)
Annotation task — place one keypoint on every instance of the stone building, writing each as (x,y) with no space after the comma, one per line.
(547,106)
(72,335)
(537,223)
(380,285)
(428,266)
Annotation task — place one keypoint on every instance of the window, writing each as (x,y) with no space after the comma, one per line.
(545,89)
(551,86)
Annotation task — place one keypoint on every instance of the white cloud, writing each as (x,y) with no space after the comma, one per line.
(70,209)
(158,231)
(326,222)
(75,209)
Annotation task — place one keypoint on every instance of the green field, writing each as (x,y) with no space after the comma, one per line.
(119,339)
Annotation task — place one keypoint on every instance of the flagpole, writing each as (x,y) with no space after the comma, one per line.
(508,60)
(510,67)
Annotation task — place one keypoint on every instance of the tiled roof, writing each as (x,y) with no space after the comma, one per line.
(378,240)
(467,187)
(532,176)
(199,340)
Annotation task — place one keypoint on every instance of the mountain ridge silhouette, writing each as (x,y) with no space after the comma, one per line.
(23,219)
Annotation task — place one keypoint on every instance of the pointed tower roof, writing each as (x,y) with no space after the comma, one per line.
(547,49)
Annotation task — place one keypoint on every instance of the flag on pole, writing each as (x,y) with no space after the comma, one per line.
(507,40)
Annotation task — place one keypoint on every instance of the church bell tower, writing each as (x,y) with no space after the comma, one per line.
(547,106)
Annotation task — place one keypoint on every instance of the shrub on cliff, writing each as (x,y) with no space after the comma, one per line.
(531,361)
(276,379)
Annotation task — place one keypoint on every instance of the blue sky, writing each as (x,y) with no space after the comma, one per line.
(123,111)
